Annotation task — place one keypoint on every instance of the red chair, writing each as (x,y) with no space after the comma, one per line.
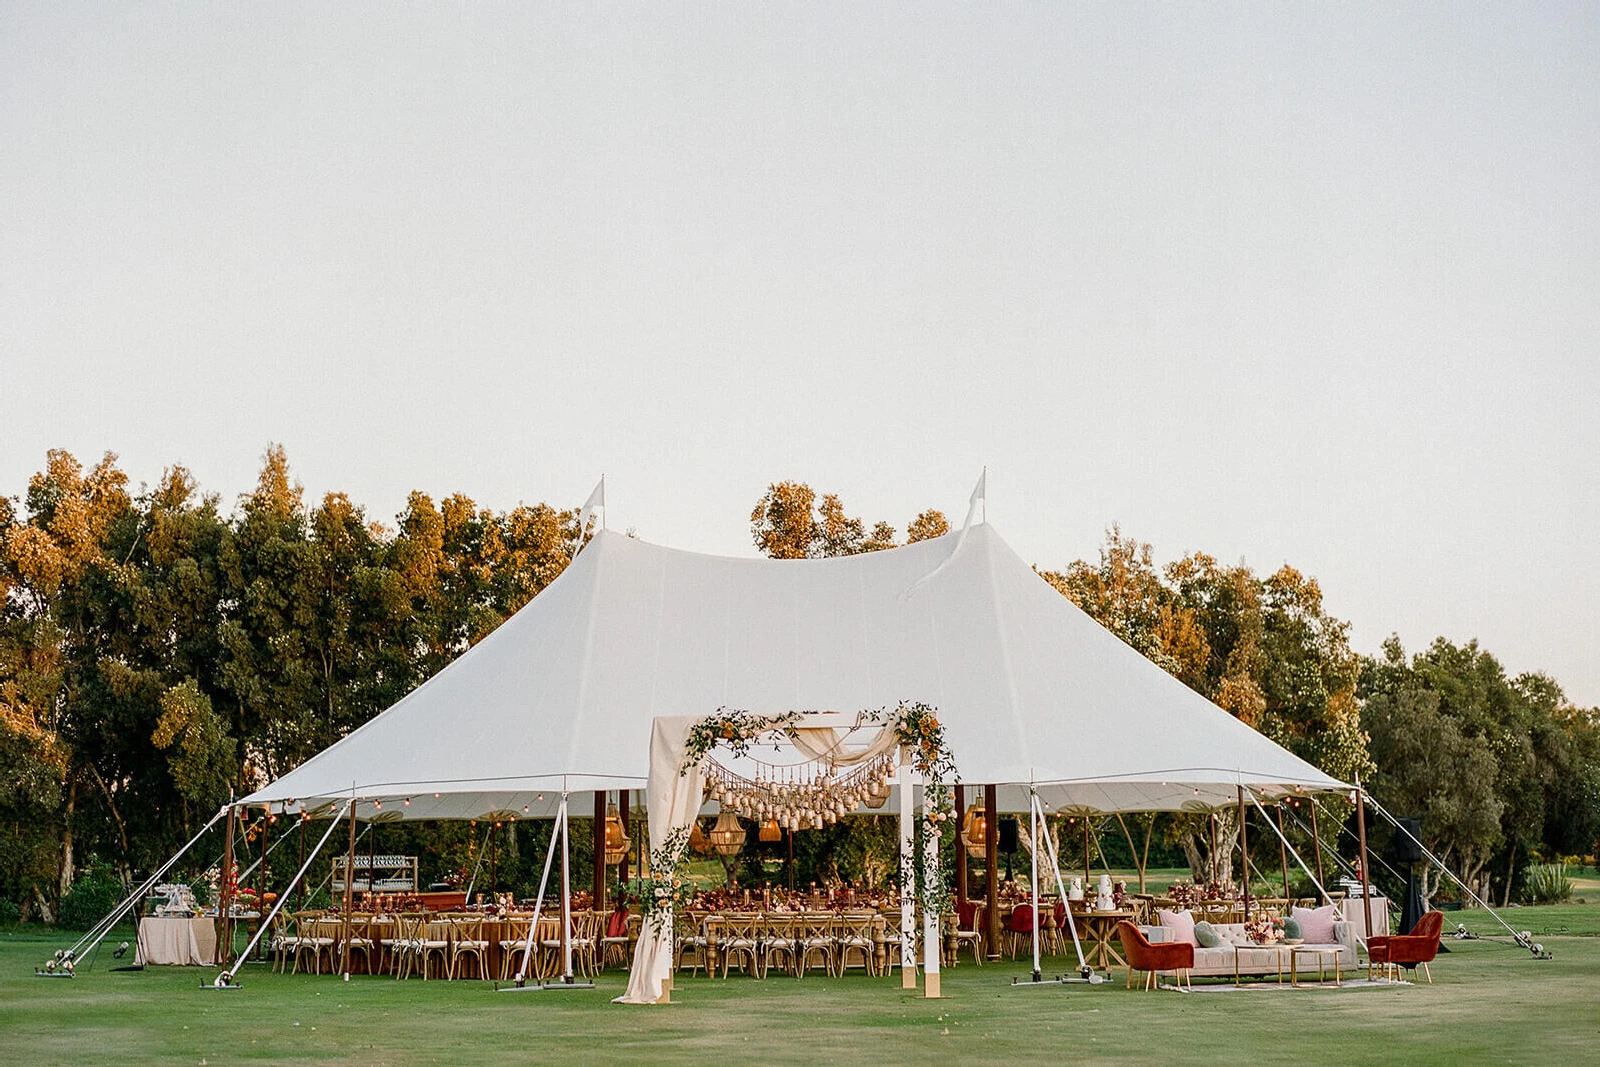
(1416,949)
(1144,956)
(1019,927)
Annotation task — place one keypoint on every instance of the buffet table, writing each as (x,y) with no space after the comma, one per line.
(178,941)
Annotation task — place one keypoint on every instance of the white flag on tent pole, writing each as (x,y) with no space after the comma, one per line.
(596,502)
(973,503)
(977,499)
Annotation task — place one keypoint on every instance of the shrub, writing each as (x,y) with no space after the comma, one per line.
(91,897)
(10,913)
(1547,883)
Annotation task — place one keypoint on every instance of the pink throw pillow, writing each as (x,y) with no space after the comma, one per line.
(1316,924)
(1181,923)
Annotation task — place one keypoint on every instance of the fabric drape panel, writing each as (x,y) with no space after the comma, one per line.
(672,801)
(827,743)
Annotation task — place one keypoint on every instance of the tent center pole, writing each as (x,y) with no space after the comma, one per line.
(991,867)
(600,850)
(566,893)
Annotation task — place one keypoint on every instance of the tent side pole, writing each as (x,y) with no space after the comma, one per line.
(1283,853)
(226,977)
(1285,841)
(991,865)
(1132,849)
(623,814)
(349,885)
(599,889)
(1061,888)
(908,877)
(538,903)
(1033,873)
(961,851)
(261,879)
(1366,886)
(224,922)
(566,891)
(1244,856)
(1316,845)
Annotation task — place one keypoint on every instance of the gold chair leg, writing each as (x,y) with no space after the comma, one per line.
(1428,973)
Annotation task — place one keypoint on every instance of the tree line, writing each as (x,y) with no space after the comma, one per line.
(159,651)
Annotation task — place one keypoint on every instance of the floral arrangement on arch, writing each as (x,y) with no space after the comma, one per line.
(665,891)
(734,728)
(918,729)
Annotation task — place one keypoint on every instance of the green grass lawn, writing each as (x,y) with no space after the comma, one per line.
(1490,1004)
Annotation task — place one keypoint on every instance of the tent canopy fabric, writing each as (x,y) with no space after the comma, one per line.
(562,696)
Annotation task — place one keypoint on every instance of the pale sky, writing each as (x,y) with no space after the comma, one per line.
(1279,282)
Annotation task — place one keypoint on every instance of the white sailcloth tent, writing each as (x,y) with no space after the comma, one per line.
(562,696)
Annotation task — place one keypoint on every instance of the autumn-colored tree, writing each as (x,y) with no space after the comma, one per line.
(928,525)
(782,523)
(789,523)
(1262,649)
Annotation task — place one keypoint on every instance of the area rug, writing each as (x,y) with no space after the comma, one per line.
(1274,987)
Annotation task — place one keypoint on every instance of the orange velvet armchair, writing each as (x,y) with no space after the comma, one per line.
(1143,955)
(1416,949)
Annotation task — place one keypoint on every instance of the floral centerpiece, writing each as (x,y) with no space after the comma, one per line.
(1264,930)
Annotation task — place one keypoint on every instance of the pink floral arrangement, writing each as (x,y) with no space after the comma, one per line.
(1263,930)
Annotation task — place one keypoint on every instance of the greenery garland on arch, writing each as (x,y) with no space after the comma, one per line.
(664,891)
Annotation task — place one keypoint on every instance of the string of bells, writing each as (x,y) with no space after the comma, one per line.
(805,797)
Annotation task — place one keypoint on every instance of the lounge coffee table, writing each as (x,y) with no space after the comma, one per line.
(1323,954)
(1281,953)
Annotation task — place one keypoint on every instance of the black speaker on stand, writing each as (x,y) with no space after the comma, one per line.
(1408,851)
(1008,840)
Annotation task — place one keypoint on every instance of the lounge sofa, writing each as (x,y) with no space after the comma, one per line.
(1252,958)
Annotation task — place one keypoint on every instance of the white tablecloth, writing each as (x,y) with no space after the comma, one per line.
(1355,913)
(186,942)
